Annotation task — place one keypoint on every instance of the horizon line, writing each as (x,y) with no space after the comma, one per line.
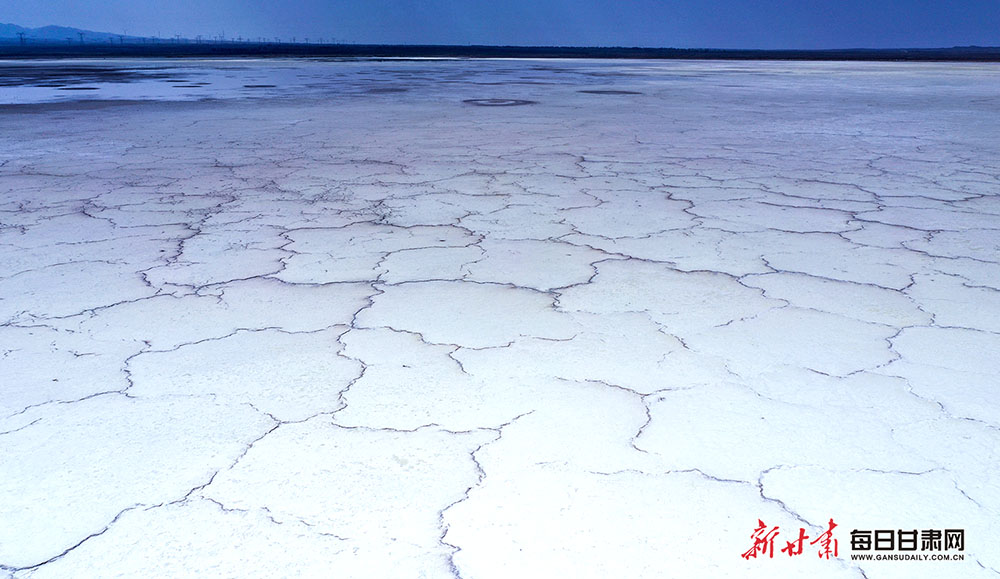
(180,47)
(111,38)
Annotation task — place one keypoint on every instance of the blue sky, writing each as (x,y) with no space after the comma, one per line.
(672,23)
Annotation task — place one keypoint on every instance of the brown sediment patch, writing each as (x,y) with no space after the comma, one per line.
(100,103)
(602,91)
(508,83)
(498,102)
(47,74)
(73,105)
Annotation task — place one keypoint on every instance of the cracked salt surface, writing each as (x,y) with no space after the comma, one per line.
(344,323)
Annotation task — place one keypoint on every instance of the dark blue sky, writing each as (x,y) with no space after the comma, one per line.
(677,23)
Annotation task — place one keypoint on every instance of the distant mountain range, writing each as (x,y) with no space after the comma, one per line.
(66,42)
(48,34)
(65,35)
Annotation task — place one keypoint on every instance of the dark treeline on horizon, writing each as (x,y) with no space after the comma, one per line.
(190,49)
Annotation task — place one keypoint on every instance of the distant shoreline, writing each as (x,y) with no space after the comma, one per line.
(166,49)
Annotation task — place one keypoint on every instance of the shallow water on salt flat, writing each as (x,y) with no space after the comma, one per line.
(26,82)
(494,318)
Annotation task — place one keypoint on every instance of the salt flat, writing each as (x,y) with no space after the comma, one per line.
(498,318)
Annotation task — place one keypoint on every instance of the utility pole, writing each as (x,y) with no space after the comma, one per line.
(81,37)
(21,36)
